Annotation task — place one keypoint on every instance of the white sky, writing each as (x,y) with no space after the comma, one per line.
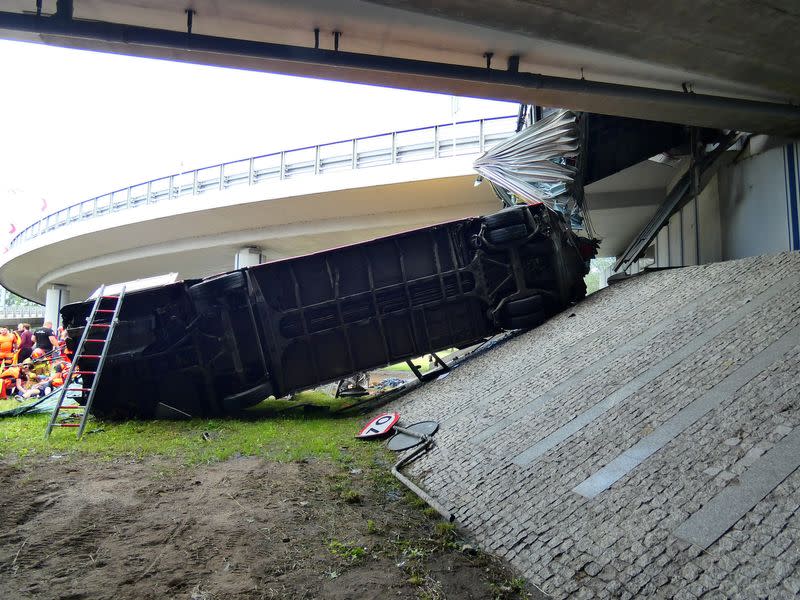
(77,124)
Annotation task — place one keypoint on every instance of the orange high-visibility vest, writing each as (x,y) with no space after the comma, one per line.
(7,345)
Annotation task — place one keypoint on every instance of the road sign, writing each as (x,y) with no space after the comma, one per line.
(379,426)
(412,435)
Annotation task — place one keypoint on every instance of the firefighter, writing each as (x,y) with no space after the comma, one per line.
(41,363)
(7,347)
(8,379)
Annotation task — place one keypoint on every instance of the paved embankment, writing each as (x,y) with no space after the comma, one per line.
(645,443)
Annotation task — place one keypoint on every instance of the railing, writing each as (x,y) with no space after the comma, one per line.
(22,311)
(427,143)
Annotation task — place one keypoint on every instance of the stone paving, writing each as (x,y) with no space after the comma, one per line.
(681,383)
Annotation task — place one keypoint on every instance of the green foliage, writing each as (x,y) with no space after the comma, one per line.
(415,501)
(349,552)
(372,527)
(446,531)
(506,590)
(13,300)
(351,496)
(593,278)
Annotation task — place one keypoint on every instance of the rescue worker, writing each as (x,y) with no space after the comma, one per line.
(7,349)
(43,384)
(24,379)
(17,341)
(41,363)
(60,373)
(8,380)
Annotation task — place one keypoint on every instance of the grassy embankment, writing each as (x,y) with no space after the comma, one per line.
(268,430)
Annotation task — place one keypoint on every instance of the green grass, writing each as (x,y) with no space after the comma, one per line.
(310,401)
(421,363)
(350,552)
(194,441)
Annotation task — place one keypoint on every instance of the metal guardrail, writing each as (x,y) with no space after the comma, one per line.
(427,143)
(22,311)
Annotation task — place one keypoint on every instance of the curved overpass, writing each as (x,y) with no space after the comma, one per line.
(284,204)
(289,203)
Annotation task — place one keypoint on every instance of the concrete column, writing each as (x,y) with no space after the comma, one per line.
(249,256)
(56,296)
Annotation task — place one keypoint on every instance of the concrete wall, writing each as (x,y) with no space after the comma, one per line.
(759,203)
(750,207)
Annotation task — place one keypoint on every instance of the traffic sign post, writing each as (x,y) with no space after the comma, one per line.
(405,436)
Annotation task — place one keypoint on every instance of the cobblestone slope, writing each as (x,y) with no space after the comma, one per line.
(584,451)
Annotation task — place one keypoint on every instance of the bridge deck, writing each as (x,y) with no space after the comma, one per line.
(643,444)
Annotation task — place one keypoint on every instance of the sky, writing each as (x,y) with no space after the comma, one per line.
(77,124)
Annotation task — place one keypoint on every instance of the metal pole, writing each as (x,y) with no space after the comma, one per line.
(428,499)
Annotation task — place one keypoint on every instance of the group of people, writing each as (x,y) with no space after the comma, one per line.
(32,363)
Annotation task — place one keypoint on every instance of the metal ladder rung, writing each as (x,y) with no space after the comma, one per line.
(79,355)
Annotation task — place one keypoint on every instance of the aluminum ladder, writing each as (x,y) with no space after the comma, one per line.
(100,325)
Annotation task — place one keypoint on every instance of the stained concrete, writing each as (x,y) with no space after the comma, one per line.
(691,374)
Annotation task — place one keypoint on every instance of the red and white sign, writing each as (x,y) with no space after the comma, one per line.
(379,426)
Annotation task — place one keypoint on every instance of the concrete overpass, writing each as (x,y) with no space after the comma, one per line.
(288,203)
(716,63)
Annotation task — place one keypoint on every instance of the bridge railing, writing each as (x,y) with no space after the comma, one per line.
(22,311)
(427,143)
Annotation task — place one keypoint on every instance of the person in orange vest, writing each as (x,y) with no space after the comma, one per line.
(60,373)
(8,379)
(17,342)
(43,384)
(23,380)
(7,346)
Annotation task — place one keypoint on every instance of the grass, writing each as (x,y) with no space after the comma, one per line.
(310,401)
(350,552)
(285,438)
(422,363)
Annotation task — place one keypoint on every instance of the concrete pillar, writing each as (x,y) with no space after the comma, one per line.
(249,256)
(56,296)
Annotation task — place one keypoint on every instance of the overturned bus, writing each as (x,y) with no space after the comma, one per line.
(217,345)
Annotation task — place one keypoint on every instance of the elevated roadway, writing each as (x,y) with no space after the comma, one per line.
(286,204)
(715,63)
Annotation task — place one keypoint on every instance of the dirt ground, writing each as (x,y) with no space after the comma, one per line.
(245,528)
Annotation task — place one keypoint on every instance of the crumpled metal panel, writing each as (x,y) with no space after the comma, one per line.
(534,164)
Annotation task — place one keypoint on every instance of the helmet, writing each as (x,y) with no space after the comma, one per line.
(37,354)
